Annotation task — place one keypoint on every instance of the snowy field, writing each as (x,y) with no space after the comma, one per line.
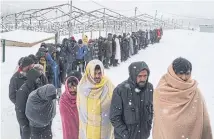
(195,46)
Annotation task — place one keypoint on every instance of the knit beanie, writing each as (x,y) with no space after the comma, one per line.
(182,66)
(27,61)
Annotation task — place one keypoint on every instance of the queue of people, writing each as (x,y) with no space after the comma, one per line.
(92,107)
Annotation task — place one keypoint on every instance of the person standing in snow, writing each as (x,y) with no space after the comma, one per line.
(40,111)
(57,69)
(35,79)
(113,61)
(68,107)
(131,110)
(179,107)
(71,49)
(41,55)
(17,80)
(80,54)
(118,52)
(19,77)
(90,52)
(101,48)
(108,50)
(131,46)
(94,94)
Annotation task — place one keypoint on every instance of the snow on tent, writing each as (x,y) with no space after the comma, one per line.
(23,38)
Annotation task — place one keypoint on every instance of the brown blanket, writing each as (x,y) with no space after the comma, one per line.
(179,110)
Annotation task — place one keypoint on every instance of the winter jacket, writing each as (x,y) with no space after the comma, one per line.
(96,50)
(101,47)
(131,108)
(114,47)
(22,96)
(93,103)
(71,50)
(41,106)
(59,70)
(90,52)
(69,114)
(131,46)
(81,52)
(16,82)
(118,51)
(108,48)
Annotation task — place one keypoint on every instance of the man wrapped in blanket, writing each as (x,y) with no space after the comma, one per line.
(94,94)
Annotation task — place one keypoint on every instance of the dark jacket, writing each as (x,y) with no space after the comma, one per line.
(41,106)
(71,50)
(101,47)
(96,50)
(108,48)
(22,96)
(131,110)
(16,82)
(113,47)
(90,51)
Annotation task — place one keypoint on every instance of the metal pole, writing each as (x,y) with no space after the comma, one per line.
(2,21)
(16,21)
(135,14)
(70,26)
(3,50)
(155,17)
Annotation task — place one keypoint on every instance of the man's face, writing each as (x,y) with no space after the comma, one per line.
(25,69)
(97,76)
(184,77)
(72,88)
(142,78)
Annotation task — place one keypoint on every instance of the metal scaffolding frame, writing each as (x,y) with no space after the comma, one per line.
(58,19)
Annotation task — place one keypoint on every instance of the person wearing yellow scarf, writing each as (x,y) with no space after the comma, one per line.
(94,94)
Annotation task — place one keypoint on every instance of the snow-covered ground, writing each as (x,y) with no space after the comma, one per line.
(26,36)
(195,46)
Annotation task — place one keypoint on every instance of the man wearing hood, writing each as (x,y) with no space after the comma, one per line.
(35,79)
(179,107)
(68,107)
(71,49)
(40,111)
(108,50)
(132,107)
(94,94)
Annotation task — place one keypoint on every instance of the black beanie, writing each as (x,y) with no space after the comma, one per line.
(34,58)
(182,66)
(26,61)
(80,41)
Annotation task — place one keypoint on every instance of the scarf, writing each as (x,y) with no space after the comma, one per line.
(179,109)
(93,103)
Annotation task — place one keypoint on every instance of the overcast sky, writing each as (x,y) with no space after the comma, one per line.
(169,9)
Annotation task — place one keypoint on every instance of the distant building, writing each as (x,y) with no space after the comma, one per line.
(206,28)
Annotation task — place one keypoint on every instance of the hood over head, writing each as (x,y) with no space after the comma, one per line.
(91,68)
(47,92)
(135,68)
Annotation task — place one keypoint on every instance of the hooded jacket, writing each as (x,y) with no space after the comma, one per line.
(71,49)
(90,52)
(41,106)
(93,103)
(69,113)
(17,80)
(131,108)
